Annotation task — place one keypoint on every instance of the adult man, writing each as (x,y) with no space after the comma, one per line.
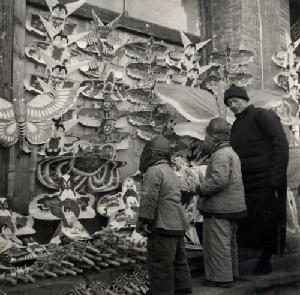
(258,138)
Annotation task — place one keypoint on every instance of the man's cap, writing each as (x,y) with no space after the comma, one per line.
(235,91)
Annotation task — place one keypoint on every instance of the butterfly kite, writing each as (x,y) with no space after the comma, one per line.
(32,120)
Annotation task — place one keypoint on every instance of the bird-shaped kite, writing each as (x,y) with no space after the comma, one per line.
(58,69)
(59,38)
(189,58)
(98,42)
(61,10)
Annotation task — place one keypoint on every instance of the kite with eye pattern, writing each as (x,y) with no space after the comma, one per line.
(32,120)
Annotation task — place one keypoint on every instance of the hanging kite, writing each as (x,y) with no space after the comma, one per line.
(59,38)
(98,42)
(32,120)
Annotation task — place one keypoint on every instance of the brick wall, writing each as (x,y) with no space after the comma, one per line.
(257,25)
(226,23)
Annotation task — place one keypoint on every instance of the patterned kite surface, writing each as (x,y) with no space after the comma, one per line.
(33,120)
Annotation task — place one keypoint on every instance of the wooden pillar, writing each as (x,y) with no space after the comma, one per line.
(6,49)
(17,82)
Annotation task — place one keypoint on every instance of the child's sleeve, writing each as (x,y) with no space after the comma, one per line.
(218,178)
(151,189)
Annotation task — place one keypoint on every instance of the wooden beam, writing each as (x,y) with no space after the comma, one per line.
(6,49)
(18,75)
(127,23)
(6,45)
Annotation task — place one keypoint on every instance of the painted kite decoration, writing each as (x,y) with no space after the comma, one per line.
(142,96)
(59,38)
(105,109)
(107,134)
(12,223)
(109,88)
(121,208)
(38,84)
(93,170)
(145,51)
(144,71)
(62,70)
(37,52)
(66,205)
(154,115)
(51,206)
(189,58)
(32,120)
(34,24)
(59,143)
(60,10)
(98,40)
(288,109)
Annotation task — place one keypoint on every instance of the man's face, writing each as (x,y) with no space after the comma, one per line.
(236,104)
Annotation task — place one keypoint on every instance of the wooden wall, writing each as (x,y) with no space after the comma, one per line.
(17,171)
(6,49)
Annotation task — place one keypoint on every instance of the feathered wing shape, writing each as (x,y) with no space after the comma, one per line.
(8,133)
(52,32)
(76,37)
(47,106)
(8,126)
(71,7)
(49,28)
(97,19)
(49,61)
(202,44)
(51,3)
(46,87)
(113,24)
(203,69)
(6,110)
(39,132)
(185,40)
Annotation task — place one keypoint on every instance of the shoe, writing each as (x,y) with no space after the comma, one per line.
(207,283)
(262,269)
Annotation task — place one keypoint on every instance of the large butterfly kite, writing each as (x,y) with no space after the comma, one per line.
(32,120)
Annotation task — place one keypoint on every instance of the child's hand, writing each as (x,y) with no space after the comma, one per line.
(142,228)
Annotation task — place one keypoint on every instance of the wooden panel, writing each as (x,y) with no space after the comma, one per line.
(127,23)
(15,177)
(6,45)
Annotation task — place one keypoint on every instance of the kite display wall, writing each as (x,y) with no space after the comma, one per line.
(18,170)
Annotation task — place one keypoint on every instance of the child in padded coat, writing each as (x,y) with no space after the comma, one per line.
(222,204)
(162,218)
